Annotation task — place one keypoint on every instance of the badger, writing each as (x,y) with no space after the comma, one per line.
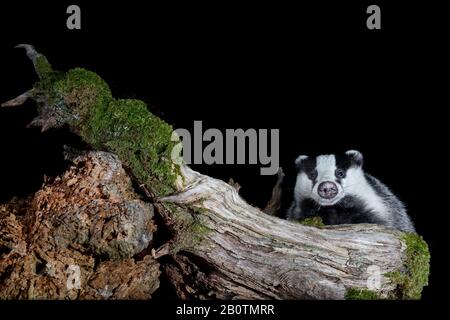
(336,188)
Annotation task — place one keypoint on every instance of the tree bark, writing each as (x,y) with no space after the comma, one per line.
(79,237)
(220,246)
(251,255)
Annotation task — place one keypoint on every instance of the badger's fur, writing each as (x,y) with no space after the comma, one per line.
(336,188)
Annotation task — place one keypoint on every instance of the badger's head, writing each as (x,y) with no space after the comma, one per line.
(326,179)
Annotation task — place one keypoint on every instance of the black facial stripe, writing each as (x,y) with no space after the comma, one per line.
(343,162)
(308,166)
(313,176)
(339,175)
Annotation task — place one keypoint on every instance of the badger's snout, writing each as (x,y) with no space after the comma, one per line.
(327,190)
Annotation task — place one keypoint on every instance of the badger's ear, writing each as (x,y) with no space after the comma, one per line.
(299,161)
(356,157)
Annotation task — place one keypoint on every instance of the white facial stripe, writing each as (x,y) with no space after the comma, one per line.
(357,185)
(303,186)
(300,159)
(354,184)
(326,166)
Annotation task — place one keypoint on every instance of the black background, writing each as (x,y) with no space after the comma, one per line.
(312,70)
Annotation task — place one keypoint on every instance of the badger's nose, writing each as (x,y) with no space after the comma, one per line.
(327,190)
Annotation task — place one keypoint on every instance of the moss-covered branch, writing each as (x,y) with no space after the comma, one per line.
(82,100)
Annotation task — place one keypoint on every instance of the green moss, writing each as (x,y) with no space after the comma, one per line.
(43,67)
(80,79)
(361,294)
(189,223)
(142,141)
(201,210)
(313,222)
(199,230)
(81,92)
(48,77)
(191,230)
(411,279)
(192,236)
(71,97)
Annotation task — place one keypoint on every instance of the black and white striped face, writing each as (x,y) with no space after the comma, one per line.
(328,178)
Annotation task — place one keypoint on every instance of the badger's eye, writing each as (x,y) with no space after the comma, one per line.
(313,175)
(339,173)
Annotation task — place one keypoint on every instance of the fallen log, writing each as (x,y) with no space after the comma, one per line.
(221,247)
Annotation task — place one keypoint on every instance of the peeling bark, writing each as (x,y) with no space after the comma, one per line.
(88,222)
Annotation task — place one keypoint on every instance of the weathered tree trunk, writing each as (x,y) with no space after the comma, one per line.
(251,255)
(221,247)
